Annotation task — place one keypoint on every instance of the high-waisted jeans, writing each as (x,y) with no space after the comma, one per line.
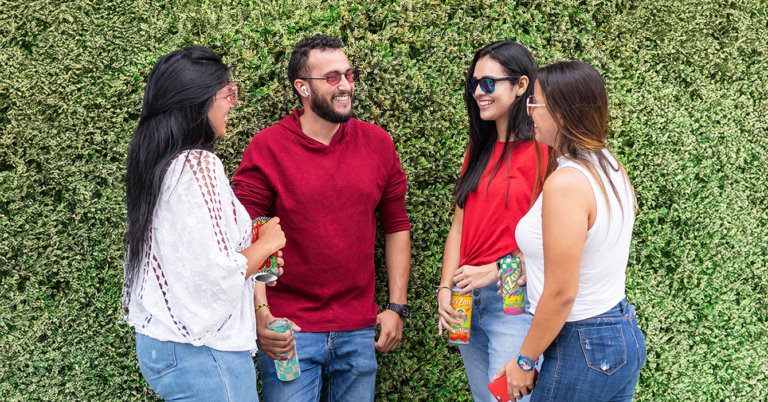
(494,339)
(184,372)
(594,360)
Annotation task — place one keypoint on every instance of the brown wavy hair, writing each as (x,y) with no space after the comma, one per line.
(575,93)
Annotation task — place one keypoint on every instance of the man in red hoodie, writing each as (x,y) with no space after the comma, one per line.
(325,175)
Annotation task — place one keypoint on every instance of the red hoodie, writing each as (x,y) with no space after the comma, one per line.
(326,197)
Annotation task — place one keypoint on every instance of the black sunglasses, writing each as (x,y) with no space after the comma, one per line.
(334,78)
(488,84)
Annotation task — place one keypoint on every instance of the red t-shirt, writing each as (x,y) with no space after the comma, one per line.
(490,218)
(326,197)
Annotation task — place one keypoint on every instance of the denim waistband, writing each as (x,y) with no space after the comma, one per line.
(621,311)
(623,306)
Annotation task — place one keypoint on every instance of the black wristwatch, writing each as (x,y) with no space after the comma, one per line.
(403,310)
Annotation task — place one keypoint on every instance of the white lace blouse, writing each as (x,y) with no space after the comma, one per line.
(191,287)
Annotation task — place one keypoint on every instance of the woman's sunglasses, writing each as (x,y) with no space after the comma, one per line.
(531,104)
(487,84)
(334,78)
(229,92)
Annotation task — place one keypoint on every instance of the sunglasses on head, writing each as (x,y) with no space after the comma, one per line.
(487,84)
(333,78)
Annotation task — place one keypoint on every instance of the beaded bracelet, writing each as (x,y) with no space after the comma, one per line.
(260,306)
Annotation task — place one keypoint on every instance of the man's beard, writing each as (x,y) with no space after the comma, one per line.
(323,108)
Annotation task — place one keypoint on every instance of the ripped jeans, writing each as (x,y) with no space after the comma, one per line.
(597,359)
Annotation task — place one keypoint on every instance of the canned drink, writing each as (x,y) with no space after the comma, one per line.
(267,272)
(287,370)
(463,305)
(511,270)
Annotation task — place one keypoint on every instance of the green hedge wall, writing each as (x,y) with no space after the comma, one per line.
(688,83)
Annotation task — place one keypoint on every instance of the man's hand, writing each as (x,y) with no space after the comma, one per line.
(272,342)
(391,331)
(280,263)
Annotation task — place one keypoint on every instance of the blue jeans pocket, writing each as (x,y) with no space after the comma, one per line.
(604,348)
(156,356)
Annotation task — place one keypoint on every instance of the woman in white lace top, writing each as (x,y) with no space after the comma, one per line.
(188,287)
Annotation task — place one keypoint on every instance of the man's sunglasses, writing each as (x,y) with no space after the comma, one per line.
(335,77)
(487,84)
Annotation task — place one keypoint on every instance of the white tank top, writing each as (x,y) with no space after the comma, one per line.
(603,266)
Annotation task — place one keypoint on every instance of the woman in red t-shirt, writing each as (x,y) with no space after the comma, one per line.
(502,174)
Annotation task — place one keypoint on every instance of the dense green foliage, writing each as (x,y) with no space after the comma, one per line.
(688,83)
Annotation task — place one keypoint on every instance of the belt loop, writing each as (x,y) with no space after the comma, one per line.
(624,306)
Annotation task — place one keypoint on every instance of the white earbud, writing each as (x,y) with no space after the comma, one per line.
(304,89)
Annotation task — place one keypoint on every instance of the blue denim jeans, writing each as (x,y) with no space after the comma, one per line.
(595,360)
(494,339)
(340,365)
(184,372)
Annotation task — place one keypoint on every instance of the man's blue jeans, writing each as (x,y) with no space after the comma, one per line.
(494,339)
(340,365)
(594,360)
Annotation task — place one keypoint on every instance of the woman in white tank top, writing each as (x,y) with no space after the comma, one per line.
(576,241)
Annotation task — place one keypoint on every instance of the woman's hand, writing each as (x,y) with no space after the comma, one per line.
(519,382)
(523,279)
(519,254)
(470,277)
(271,235)
(446,312)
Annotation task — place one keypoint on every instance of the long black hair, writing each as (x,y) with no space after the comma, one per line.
(516,61)
(174,118)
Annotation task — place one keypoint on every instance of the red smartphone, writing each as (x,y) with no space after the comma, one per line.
(499,387)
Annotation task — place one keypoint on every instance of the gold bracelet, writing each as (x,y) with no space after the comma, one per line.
(260,306)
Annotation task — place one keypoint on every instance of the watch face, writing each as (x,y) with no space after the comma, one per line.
(405,312)
(524,364)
